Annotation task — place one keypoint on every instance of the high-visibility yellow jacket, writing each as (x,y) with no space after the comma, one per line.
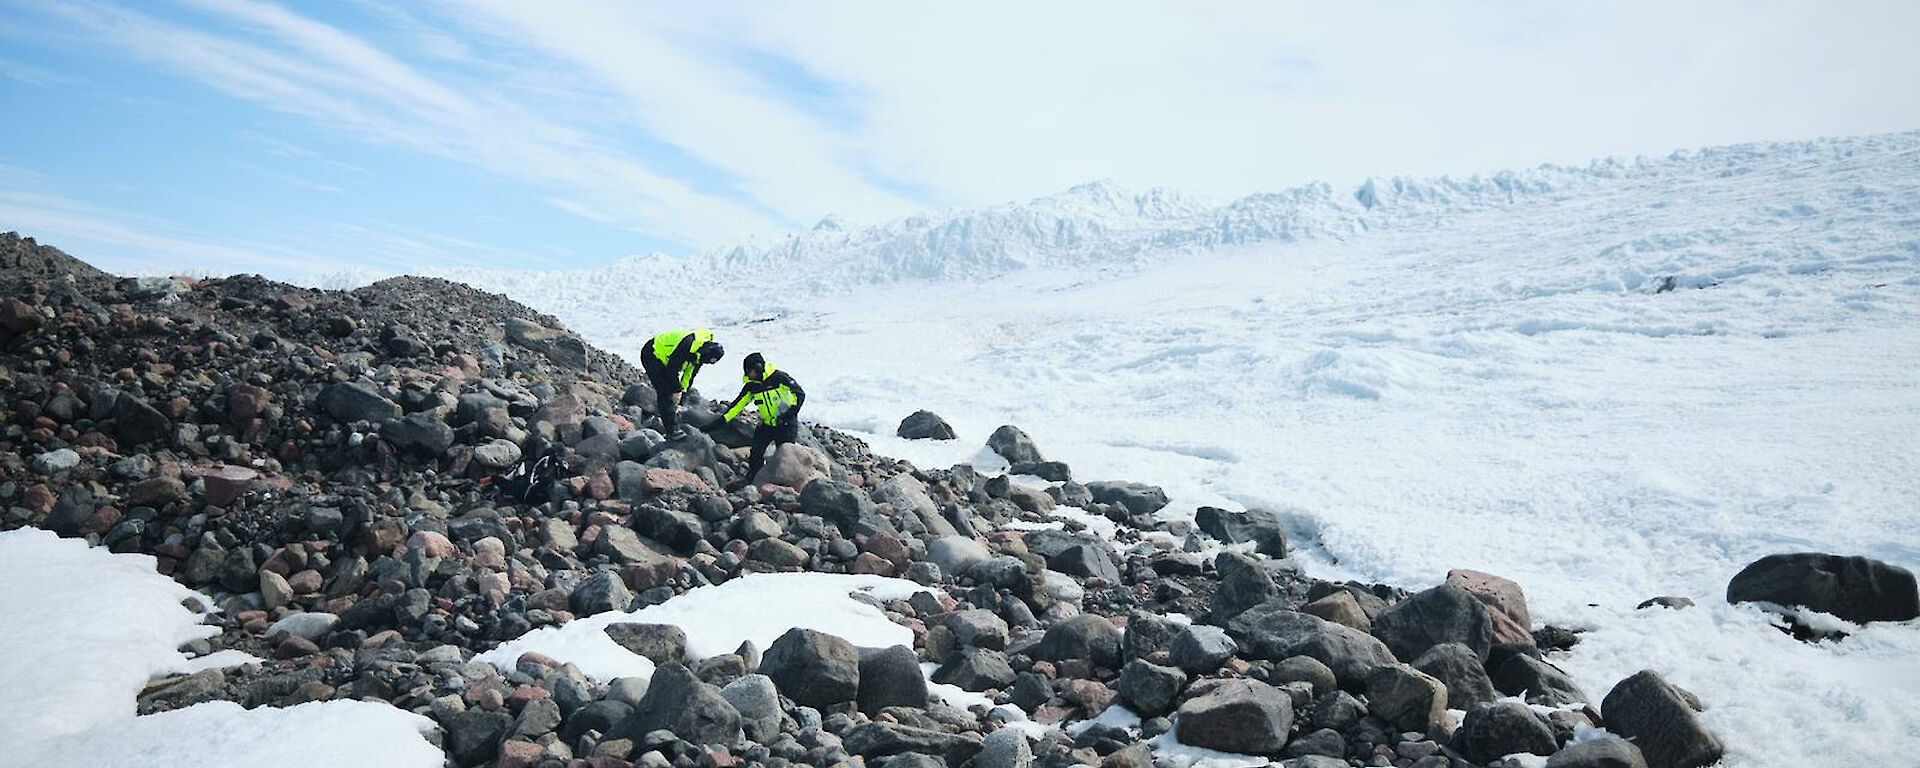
(775,394)
(679,353)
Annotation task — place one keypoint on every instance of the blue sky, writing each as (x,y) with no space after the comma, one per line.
(300,140)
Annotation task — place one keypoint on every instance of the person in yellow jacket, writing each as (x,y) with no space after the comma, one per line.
(671,360)
(777,399)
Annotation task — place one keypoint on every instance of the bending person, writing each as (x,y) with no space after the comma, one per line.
(671,360)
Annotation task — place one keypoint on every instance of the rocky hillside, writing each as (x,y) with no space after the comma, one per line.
(317,461)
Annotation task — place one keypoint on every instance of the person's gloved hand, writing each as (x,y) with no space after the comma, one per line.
(716,424)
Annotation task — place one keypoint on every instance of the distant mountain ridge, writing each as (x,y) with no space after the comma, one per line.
(1101,226)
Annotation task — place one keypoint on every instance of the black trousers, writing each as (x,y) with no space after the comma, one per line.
(764,436)
(665,386)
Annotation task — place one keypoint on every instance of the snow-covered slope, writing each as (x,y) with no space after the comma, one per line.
(1607,383)
(1098,228)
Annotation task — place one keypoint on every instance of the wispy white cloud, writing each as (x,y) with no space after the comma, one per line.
(38,76)
(684,83)
(705,124)
(307,252)
(290,179)
(302,67)
(282,148)
(132,244)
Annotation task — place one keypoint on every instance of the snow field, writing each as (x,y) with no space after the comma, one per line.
(1505,388)
(86,629)
(84,633)
(318,734)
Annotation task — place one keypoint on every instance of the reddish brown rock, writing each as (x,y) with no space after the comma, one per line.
(1092,698)
(868,563)
(38,500)
(305,582)
(245,402)
(19,317)
(294,648)
(600,485)
(227,484)
(432,544)
(519,754)
(887,547)
(157,492)
(1506,604)
(657,480)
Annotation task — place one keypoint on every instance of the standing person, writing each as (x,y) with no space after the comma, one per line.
(777,397)
(671,360)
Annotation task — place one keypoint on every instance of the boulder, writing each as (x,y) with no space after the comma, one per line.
(1338,710)
(1857,589)
(561,347)
(1456,666)
(1243,585)
(1088,560)
(758,702)
(311,625)
(599,593)
(352,401)
(794,466)
(1340,608)
(1537,681)
(881,739)
(842,504)
(77,505)
(1658,717)
(19,317)
(680,530)
(1150,689)
(975,669)
(1443,614)
(1013,445)
(660,643)
(1607,752)
(473,737)
(1004,748)
(1491,731)
(1271,630)
(55,461)
(890,677)
(603,716)
(1260,526)
(1325,742)
(1406,698)
(924,425)
(957,554)
(1051,471)
(622,545)
(778,553)
(1304,669)
(135,422)
(1237,716)
(1200,648)
(497,454)
(227,483)
(1506,604)
(1148,633)
(1135,498)
(1086,636)
(678,701)
(422,434)
(813,668)
(978,627)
